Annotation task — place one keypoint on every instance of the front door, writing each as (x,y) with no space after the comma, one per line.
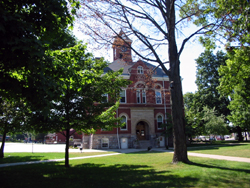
(141,131)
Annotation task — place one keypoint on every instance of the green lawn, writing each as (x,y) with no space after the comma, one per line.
(23,157)
(234,149)
(145,169)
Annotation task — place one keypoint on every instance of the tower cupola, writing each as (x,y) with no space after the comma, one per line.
(122,47)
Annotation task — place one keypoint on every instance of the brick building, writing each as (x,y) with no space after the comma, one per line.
(143,104)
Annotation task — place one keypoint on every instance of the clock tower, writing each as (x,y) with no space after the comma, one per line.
(122,47)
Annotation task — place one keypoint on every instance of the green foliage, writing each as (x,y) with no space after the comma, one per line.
(205,122)
(78,98)
(226,21)
(79,93)
(12,116)
(207,80)
(229,23)
(235,82)
(236,71)
(214,124)
(27,30)
(81,85)
(193,114)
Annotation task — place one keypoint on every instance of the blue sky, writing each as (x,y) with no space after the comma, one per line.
(191,52)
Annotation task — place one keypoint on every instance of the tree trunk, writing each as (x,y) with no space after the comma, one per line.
(3,144)
(67,149)
(240,138)
(82,139)
(180,147)
(91,141)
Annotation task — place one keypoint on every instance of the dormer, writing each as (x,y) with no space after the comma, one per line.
(139,70)
(122,47)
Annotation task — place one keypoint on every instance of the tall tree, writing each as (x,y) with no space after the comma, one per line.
(194,114)
(80,94)
(11,119)
(27,30)
(214,124)
(235,82)
(234,33)
(207,81)
(153,26)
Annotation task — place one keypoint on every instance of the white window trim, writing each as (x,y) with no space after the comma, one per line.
(159,128)
(140,70)
(156,97)
(144,92)
(105,143)
(126,122)
(125,96)
(138,95)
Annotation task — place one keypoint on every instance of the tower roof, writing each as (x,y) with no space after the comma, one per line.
(122,35)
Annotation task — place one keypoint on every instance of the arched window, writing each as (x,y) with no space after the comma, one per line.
(159,121)
(124,120)
(140,70)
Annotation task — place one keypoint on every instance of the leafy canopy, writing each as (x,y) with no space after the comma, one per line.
(81,85)
(27,30)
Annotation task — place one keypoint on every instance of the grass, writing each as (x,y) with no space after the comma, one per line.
(233,149)
(144,169)
(24,157)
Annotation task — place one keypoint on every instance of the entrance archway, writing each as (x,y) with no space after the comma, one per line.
(142,130)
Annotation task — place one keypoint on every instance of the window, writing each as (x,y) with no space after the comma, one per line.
(143,97)
(105,98)
(140,70)
(159,121)
(124,120)
(158,97)
(123,96)
(105,143)
(140,96)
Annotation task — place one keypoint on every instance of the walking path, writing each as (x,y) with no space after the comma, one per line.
(124,151)
(221,157)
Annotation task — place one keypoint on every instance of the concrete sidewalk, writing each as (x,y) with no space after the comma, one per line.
(124,151)
(220,157)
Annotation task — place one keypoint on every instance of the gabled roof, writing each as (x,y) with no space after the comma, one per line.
(119,63)
(158,72)
(123,36)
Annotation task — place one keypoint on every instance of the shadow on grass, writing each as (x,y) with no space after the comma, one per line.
(15,159)
(218,167)
(91,175)
(210,147)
